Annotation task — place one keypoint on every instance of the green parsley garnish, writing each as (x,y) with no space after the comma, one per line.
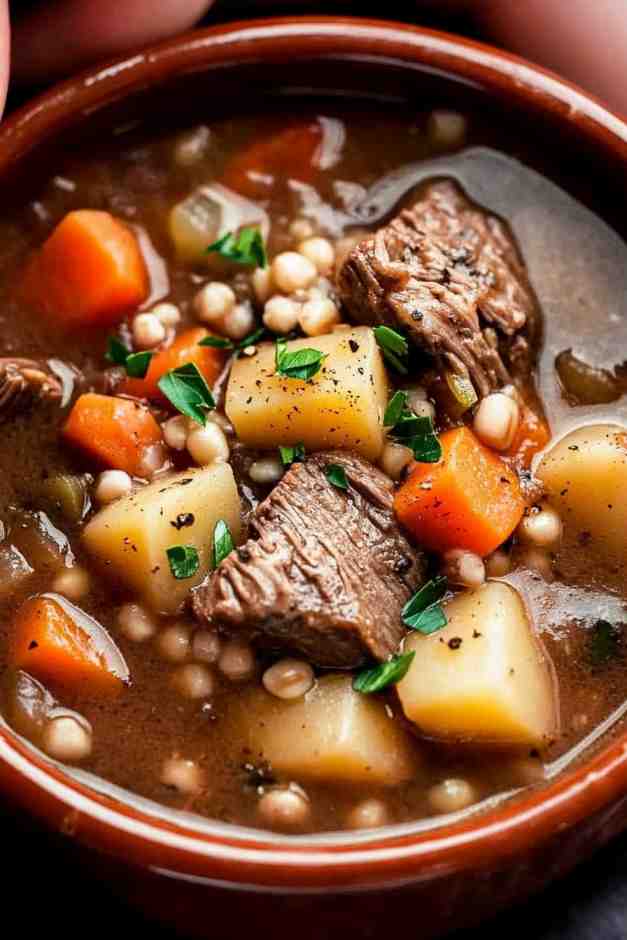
(383,675)
(220,342)
(136,364)
(416,433)
(117,352)
(300,364)
(336,475)
(183,561)
(222,542)
(396,408)
(187,390)
(393,346)
(291,455)
(604,642)
(245,247)
(423,612)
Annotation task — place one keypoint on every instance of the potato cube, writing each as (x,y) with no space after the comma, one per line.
(484,677)
(341,407)
(332,734)
(130,536)
(585,476)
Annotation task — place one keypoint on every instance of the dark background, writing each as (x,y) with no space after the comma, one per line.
(43,885)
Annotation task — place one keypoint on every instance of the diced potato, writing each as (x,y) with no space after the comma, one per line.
(130,536)
(207,214)
(332,734)
(585,476)
(483,678)
(341,407)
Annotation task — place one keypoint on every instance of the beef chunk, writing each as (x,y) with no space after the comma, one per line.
(450,275)
(24,382)
(326,571)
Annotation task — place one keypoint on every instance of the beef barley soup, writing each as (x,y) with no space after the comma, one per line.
(314,474)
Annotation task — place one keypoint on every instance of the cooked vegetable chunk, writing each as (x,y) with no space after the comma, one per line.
(57,642)
(131,537)
(585,476)
(341,407)
(90,271)
(483,678)
(208,213)
(470,499)
(113,431)
(184,349)
(331,734)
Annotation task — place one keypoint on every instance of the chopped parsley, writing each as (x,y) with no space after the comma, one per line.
(290,455)
(423,612)
(187,390)
(246,247)
(393,346)
(183,561)
(299,364)
(383,675)
(396,407)
(135,363)
(418,434)
(222,543)
(336,475)
(221,342)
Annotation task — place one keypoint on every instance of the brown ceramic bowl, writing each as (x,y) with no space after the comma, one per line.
(219,880)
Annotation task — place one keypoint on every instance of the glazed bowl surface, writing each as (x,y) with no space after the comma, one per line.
(176,865)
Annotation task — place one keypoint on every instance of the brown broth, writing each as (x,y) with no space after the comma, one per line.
(578,267)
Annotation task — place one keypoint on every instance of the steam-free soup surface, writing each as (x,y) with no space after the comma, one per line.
(258,714)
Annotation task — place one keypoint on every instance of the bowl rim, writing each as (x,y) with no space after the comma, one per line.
(231,856)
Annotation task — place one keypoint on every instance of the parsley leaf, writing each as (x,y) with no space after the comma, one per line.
(222,542)
(300,364)
(220,342)
(396,407)
(393,346)
(137,364)
(217,342)
(183,561)
(422,612)
(383,675)
(417,433)
(604,642)
(245,247)
(336,475)
(290,455)
(187,390)
(117,352)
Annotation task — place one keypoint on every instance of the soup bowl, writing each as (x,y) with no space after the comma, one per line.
(177,866)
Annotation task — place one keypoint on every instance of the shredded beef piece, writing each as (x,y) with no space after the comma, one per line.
(449,274)
(24,382)
(326,571)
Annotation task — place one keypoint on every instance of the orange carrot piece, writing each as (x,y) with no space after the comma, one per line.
(470,499)
(58,643)
(90,271)
(531,437)
(114,431)
(209,360)
(286,155)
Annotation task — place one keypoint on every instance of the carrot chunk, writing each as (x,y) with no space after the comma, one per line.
(58,643)
(286,155)
(209,360)
(114,431)
(89,272)
(470,499)
(531,437)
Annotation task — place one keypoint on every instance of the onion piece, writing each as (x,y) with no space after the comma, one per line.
(462,389)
